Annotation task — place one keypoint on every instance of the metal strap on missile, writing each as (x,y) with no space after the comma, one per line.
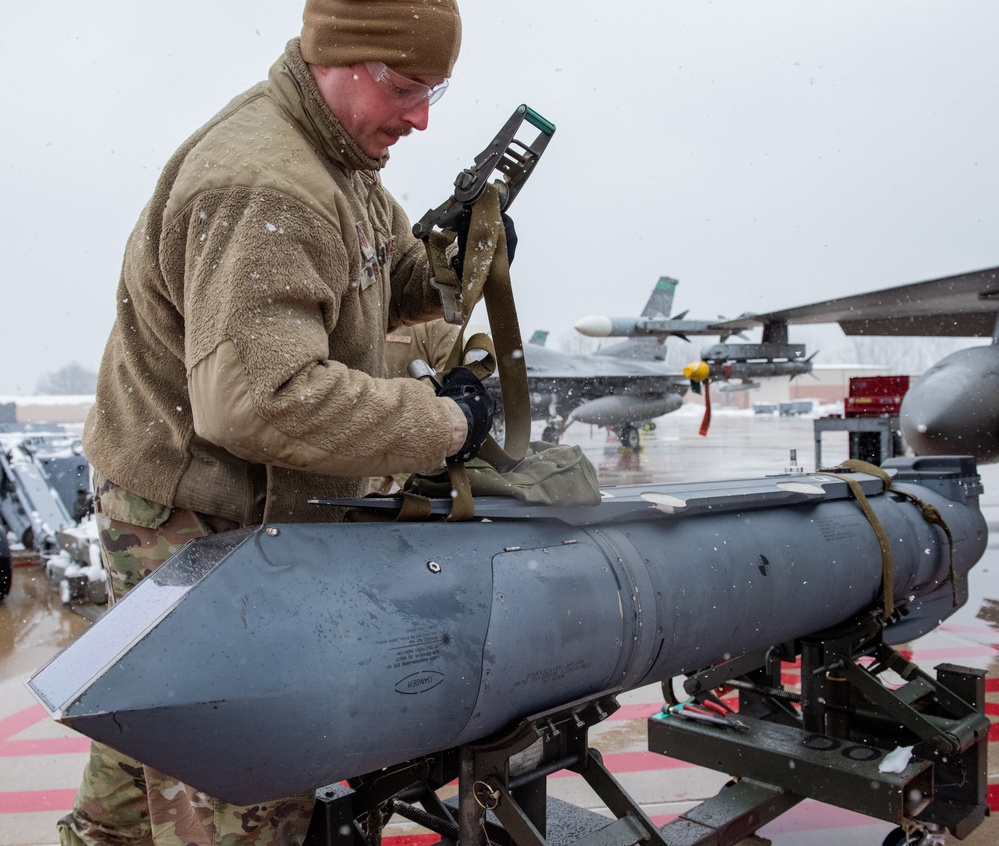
(929,513)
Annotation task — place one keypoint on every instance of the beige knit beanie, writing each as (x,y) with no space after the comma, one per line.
(413,37)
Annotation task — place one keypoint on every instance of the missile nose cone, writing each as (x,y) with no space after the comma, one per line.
(595,326)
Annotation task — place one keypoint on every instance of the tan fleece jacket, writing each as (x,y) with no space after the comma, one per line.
(431,342)
(242,374)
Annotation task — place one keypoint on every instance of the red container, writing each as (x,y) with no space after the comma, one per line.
(878,386)
(872,406)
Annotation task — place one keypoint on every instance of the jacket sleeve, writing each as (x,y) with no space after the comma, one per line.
(413,298)
(272,313)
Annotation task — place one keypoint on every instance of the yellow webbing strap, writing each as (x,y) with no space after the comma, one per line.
(484,364)
(462,504)
(887,573)
(929,513)
(486,275)
(932,515)
(414,507)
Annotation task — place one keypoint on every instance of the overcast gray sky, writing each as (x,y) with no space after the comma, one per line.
(766,153)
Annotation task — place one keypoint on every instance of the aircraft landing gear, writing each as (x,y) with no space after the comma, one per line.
(550,434)
(629,437)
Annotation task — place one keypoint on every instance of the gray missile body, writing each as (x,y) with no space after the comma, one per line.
(760,369)
(256,664)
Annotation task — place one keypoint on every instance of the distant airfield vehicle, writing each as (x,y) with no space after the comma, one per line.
(43,484)
(44,496)
(6,571)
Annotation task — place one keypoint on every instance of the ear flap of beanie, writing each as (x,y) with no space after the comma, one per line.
(413,37)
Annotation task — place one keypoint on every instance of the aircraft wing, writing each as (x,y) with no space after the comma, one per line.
(964,305)
(545,363)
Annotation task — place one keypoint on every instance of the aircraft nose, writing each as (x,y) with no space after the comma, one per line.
(954,408)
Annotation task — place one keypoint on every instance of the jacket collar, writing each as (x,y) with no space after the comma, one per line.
(291,84)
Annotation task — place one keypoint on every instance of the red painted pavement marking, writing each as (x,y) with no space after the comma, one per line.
(811,816)
(950,652)
(814,816)
(47,746)
(412,839)
(984,628)
(620,762)
(641,711)
(36,801)
(636,712)
(18,722)
(634,762)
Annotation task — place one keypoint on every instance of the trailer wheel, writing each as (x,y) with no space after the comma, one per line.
(6,572)
(900,837)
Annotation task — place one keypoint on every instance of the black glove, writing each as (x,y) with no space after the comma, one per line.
(461,227)
(475,403)
(511,237)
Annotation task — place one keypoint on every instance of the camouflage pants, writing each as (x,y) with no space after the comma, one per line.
(120,800)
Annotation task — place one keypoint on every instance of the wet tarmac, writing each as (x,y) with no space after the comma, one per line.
(41,762)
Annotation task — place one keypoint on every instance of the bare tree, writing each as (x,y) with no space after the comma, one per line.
(71,379)
(680,353)
(575,344)
(903,355)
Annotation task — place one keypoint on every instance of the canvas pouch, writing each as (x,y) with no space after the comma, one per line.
(551,474)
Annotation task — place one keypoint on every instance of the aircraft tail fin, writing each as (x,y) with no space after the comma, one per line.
(661,300)
(539,338)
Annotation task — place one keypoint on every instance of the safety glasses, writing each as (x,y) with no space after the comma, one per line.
(405,91)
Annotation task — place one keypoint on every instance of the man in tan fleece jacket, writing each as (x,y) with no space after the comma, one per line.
(244,373)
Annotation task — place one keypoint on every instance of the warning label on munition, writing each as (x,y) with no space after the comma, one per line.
(552,674)
(418,647)
(835,529)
